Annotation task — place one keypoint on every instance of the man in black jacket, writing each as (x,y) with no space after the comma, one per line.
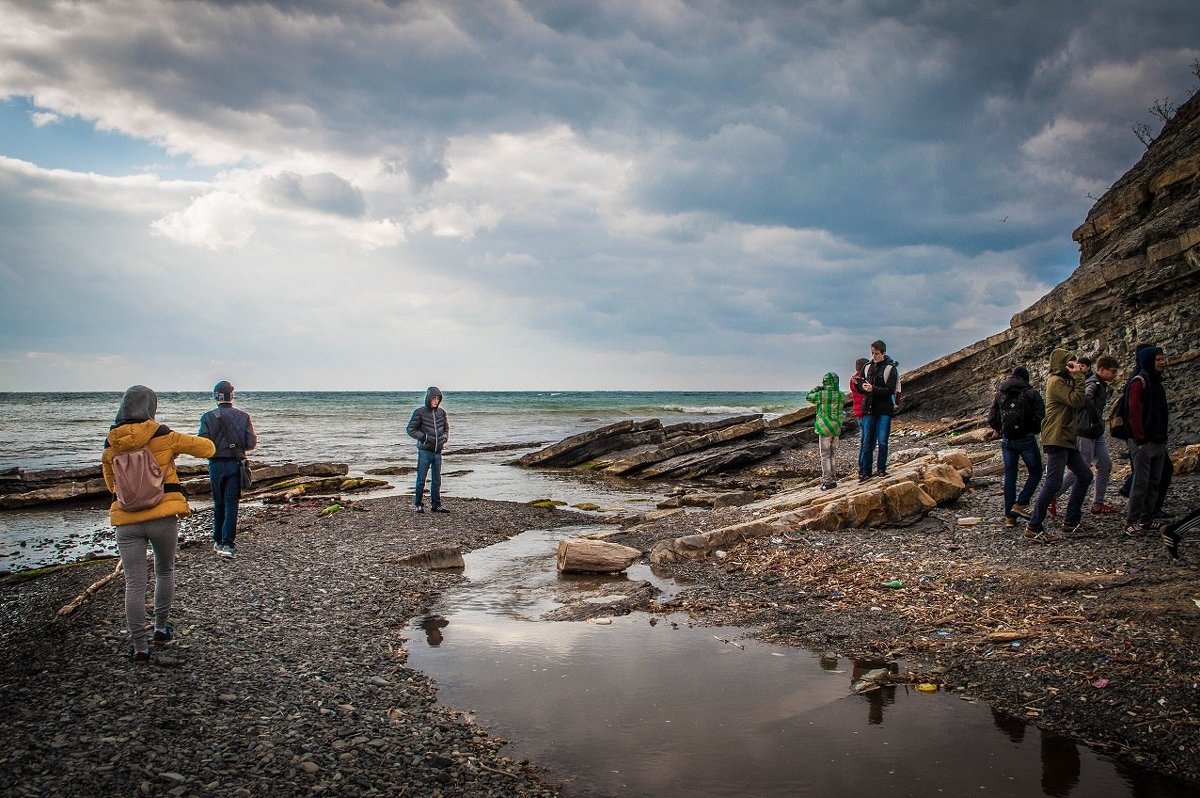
(1023,407)
(878,383)
(431,429)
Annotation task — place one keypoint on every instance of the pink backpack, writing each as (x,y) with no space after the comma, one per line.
(139,479)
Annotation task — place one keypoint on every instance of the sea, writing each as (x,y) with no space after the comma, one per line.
(363,429)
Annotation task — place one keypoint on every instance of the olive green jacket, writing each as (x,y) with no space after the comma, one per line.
(1065,395)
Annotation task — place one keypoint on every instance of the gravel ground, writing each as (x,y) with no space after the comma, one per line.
(288,673)
(287,676)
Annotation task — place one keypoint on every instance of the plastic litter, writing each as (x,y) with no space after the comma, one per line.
(331,509)
(970,520)
(927,687)
(891,583)
(1100,683)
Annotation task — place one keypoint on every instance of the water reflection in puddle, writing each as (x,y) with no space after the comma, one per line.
(649,706)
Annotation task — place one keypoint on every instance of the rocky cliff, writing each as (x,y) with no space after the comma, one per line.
(1138,279)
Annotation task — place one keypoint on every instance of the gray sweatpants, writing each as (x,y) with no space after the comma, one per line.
(827,444)
(162,535)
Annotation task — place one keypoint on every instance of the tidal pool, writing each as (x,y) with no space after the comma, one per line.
(650,706)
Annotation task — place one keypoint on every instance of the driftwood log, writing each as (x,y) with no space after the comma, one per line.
(79,600)
(579,555)
(437,558)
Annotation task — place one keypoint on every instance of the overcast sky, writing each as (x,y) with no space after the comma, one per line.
(618,194)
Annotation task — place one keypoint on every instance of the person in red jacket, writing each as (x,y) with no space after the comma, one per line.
(855,391)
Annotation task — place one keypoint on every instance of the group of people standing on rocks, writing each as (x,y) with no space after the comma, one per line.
(1060,436)
(875,390)
(138,464)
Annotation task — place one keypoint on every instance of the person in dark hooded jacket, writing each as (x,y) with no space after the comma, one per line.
(431,429)
(1148,416)
(1168,468)
(1021,447)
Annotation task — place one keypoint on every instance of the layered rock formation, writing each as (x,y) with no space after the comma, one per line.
(1138,280)
(648,450)
(20,489)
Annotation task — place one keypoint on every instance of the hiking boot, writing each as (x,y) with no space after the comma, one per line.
(1040,536)
(418,508)
(164,636)
(1022,511)
(439,509)
(1170,539)
(1101,508)
(140,657)
(1010,520)
(1052,508)
(1134,530)
(882,472)
(828,485)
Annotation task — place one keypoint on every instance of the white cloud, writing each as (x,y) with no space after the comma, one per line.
(218,220)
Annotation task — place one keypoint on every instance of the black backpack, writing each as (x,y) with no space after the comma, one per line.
(1014,414)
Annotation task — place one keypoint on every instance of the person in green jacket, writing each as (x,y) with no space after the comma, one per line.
(830,402)
(1065,395)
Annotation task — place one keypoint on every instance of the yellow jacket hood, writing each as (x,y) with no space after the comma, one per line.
(129,437)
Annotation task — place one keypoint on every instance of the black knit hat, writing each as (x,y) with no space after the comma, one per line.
(223,391)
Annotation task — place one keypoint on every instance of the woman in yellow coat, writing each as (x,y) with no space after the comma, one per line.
(157,525)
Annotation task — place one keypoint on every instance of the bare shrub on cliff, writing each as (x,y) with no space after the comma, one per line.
(1142,131)
(1163,109)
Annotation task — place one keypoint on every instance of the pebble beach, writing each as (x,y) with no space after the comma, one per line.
(288,675)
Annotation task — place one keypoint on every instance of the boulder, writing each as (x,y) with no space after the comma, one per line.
(581,555)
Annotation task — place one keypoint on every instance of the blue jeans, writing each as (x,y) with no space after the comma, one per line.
(875,430)
(1017,450)
(225,474)
(426,462)
(1058,460)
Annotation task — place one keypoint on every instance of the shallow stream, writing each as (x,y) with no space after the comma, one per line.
(650,706)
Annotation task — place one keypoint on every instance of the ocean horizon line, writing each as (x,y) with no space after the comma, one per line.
(422,390)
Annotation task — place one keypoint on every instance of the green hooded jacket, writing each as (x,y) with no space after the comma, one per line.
(830,402)
(1065,395)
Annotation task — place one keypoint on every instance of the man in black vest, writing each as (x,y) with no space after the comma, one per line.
(878,383)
